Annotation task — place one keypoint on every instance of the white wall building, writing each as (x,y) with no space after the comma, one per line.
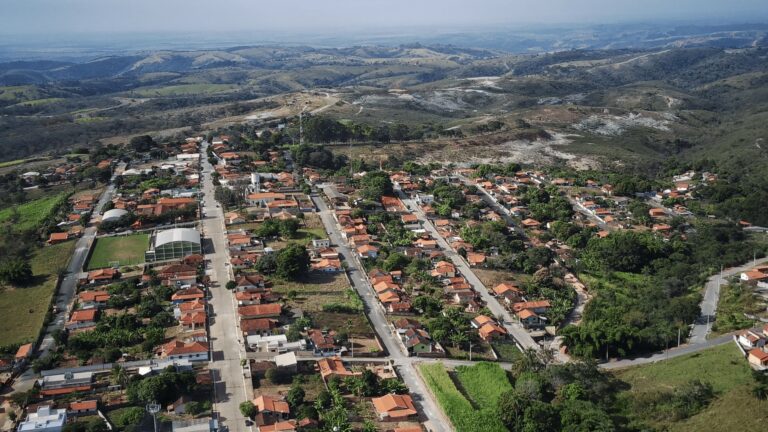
(44,420)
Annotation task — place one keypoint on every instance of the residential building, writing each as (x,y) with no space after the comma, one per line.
(394,407)
(45,419)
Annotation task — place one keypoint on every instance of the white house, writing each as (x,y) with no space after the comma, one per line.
(44,420)
(321,243)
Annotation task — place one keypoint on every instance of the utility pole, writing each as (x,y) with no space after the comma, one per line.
(678,336)
(153,408)
(470,350)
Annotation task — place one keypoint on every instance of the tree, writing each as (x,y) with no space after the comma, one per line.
(130,417)
(248,409)
(511,408)
(292,261)
(584,416)
(295,396)
(231,285)
(267,264)
(288,228)
(375,185)
(142,143)
(15,271)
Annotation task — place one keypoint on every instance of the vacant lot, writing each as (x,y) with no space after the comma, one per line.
(25,307)
(30,215)
(722,367)
(464,416)
(329,301)
(126,250)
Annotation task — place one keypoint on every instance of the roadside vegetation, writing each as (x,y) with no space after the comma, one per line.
(29,304)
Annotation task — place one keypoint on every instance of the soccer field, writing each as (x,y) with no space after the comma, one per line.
(125,250)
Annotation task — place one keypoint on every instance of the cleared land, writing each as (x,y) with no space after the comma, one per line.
(126,250)
(329,301)
(30,215)
(464,416)
(28,305)
(728,373)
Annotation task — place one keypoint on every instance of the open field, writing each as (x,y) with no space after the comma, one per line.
(722,367)
(184,90)
(29,304)
(126,250)
(30,215)
(464,416)
(12,163)
(483,383)
(328,300)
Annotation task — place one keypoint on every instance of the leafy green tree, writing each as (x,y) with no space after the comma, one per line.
(292,261)
(375,185)
(267,264)
(295,396)
(16,271)
(142,143)
(247,409)
(584,416)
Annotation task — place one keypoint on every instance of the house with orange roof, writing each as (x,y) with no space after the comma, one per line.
(104,275)
(394,407)
(192,351)
(260,327)
(327,265)
(753,276)
(23,353)
(58,237)
(261,199)
(191,293)
(82,408)
(444,269)
(530,319)
(758,358)
(531,223)
(193,320)
(89,299)
(368,251)
(333,366)
(540,306)
(82,318)
(284,426)
(476,259)
(657,213)
(269,310)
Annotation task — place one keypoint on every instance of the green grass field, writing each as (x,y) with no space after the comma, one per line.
(126,250)
(728,373)
(464,416)
(31,214)
(25,307)
(12,163)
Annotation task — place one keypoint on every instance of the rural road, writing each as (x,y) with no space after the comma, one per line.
(67,288)
(703,324)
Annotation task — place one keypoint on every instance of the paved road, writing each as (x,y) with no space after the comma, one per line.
(668,354)
(437,420)
(515,330)
(68,288)
(703,325)
(230,385)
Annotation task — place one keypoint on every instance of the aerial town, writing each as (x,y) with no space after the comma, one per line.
(214,288)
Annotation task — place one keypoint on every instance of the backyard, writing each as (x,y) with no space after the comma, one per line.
(124,250)
(28,305)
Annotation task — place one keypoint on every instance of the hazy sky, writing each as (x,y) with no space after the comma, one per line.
(328,16)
